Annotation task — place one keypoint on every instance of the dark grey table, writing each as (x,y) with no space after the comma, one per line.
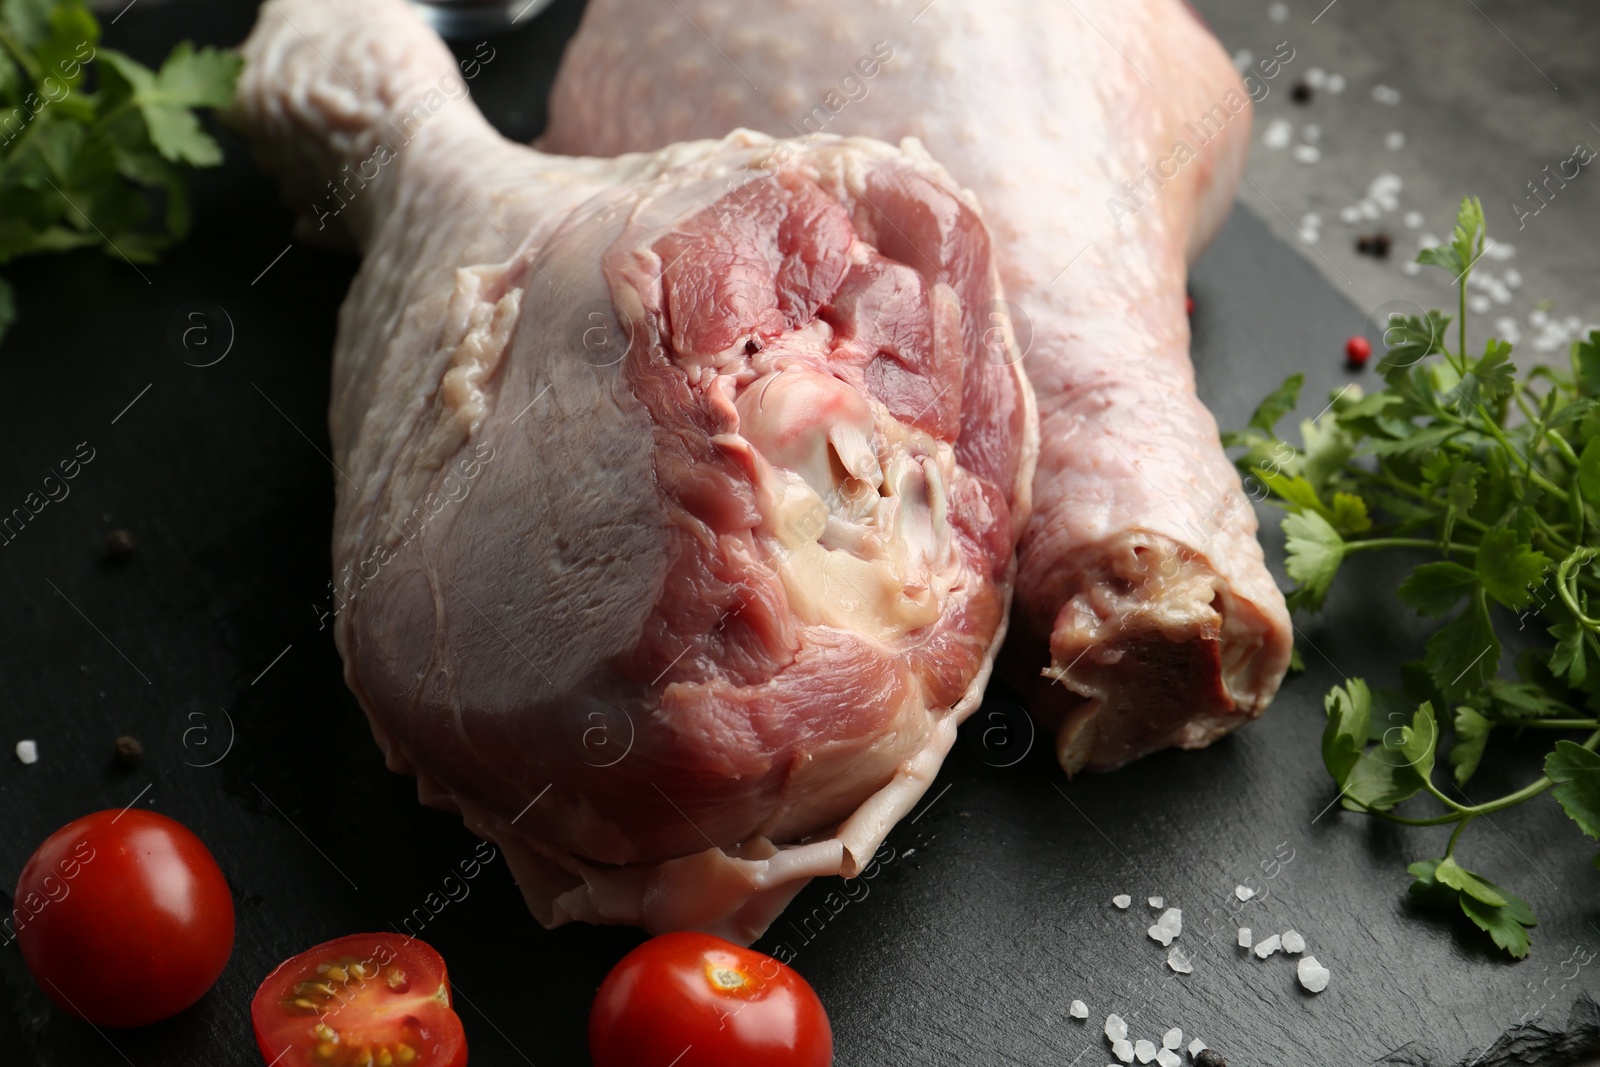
(988,915)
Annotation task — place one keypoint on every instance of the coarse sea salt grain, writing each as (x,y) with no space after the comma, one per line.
(1172,919)
(1306,153)
(1243,58)
(1116,1028)
(1244,937)
(1394,140)
(1267,947)
(1411,266)
(1313,975)
(1316,77)
(1144,1051)
(1178,961)
(1336,84)
(1384,94)
(1196,1047)
(1479,303)
(1079,1010)
(1413,219)
(1278,134)
(1172,1038)
(1156,902)
(1167,1058)
(27,752)
(1243,892)
(1161,933)
(1122,900)
(1278,12)
(1123,1050)
(1293,943)
(1351,214)
(1513,277)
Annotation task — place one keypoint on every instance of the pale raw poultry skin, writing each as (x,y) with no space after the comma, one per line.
(1140,565)
(676,509)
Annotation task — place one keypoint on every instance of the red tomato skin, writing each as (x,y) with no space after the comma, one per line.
(123,917)
(657,1007)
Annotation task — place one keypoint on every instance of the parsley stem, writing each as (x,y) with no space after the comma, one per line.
(1450,849)
(1556,724)
(1407,542)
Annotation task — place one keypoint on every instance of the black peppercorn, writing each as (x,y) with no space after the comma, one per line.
(120,545)
(129,751)
(1301,93)
(1210,1057)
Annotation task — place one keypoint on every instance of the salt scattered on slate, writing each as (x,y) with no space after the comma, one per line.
(1243,892)
(1116,1028)
(1165,1058)
(1479,303)
(1278,12)
(1144,1050)
(1161,933)
(1411,266)
(1316,77)
(1507,330)
(27,752)
(1267,947)
(1178,961)
(1172,919)
(1335,84)
(1123,1050)
(1383,94)
(1079,1010)
(1306,153)
(1243,58)
(1394,140)
(1172,1038)
(1156,902)
(1313,975)
(1244,937)
(1293,943)
(1278,134)
(1196,1047)
(1513,277)
(1413,219)
(1122,900)
(1370,209)
(1499,250)
(1351,214)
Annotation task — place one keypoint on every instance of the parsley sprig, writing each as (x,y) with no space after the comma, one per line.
(101,166)
(1497,474)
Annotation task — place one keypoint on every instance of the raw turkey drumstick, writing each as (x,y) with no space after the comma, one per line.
(677,493)
(1104,139)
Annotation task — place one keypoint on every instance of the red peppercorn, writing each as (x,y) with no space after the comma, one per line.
(1188,305)
(1357,349)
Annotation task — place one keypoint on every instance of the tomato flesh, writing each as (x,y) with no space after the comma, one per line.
(123,917)
(367,1000)
(693,1000)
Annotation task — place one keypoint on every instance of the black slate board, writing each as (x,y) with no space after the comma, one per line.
(991,908)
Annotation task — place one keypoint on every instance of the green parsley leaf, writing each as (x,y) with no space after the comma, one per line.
(1420,740)
(1500,923)
(1508,569)
(1434,588)
(1278,403)
(1472,737)
(1589,470)
(1464,655)
(1457,877)
(1576,772)
(1315,551)
(1380,779)
(1349,720)
(1568,658)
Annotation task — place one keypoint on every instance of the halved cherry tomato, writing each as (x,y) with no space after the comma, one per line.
(693,1000)
(367,1000)
(123,917)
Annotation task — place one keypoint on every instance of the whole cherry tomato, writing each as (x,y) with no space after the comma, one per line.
(693,1000)
(123,917)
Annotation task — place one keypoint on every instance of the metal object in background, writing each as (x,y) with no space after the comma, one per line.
(458,19)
